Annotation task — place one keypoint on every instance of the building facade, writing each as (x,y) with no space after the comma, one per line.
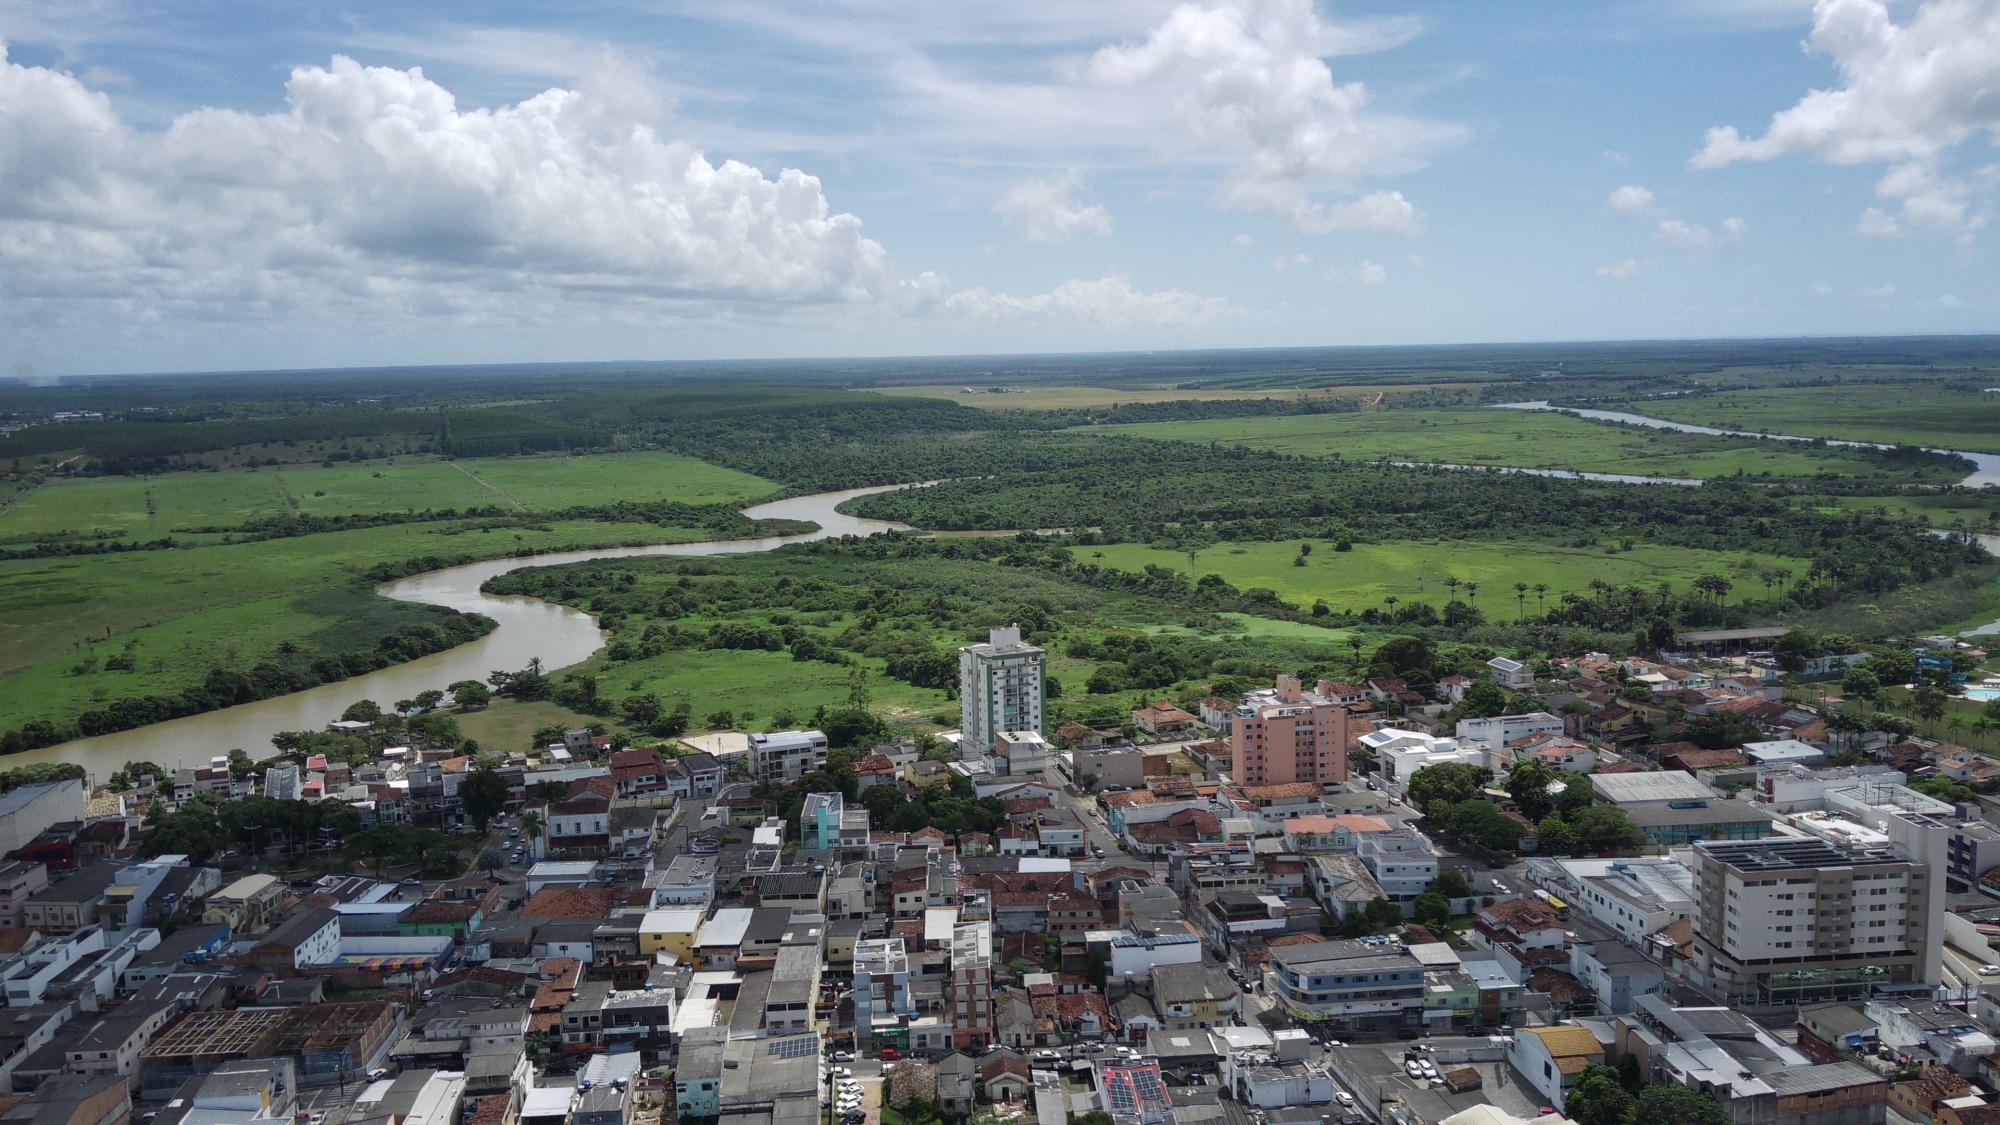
(999,689)
(1288,734)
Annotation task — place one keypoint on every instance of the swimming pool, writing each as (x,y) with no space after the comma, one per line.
(1982,694)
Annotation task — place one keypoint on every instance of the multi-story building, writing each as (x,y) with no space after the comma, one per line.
(1494,733)
(999,689)
(971,986)
(786,755)
(1287,734)
(882,996)
(20,880)
(1351,984)
(1789,921)
(1631,897)
(1401,860)
(245,904)
(26,811)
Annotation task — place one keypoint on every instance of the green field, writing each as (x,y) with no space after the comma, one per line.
(1513,438)
(1414,571)
(154,507)
(1072,397)
(183,612)
(1912,414)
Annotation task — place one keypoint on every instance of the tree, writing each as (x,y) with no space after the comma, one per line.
(1598,1098)
(240,765)
(470,695)
(1928,701)
(1451,884)
(492,859)
(378,845)
(1722,730)
(482,796)
(1478,821)
(1794,648)
(1554,836)
(1482,700)
(365,711)
(1404,655)
(1667,1104)
(531,829)
(1528,783)
(1860,683)
(1433,910)
(1449,783)
(1382,913)
(1603,828)
(129,775)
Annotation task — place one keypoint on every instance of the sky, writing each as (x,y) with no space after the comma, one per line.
(190,185)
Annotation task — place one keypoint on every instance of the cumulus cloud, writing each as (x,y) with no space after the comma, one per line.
(1629,200)
(1909,93)
(1296,261)
(1366,273)
(1625,270)
(373,193)
(1244,79)
(1053,209)
(1679,234)
(1243,242)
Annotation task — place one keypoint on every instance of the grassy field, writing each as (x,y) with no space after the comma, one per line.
(1414,571)
(1976,509)
(1086,398)
(1503,438)
(182,612)
(1914,414)
(153,507)
(508,725)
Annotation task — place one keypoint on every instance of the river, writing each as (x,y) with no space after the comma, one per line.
(528,628)
(1986,471)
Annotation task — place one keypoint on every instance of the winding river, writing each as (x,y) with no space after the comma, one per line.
(529,628)
(1986,471)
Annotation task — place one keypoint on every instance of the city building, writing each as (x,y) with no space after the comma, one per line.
(1399,754)
(1287,734)
(1491,735)
(1674,808)
(1790,921)
(1355,985)
(1551,1059)
(1402,861)
(785,756)
(27,811)
(999,689)
(882,998)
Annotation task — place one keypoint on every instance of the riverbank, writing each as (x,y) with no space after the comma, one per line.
(526,628)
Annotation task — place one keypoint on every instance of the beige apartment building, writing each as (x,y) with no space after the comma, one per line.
(1287,734)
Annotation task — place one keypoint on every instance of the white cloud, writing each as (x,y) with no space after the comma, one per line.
(1822,289)
(1875,294)
(1877,223)
(1110,302)
(1243,80)
(1296,261)
(1949,301)
(1629,200)
(1909,93)
(1053,209)
(1612,156)
(1625,270)
(1243,242)
(1366,273)
(1679,234)
(374,197)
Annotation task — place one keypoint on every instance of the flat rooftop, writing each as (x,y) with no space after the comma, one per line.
(1792,854)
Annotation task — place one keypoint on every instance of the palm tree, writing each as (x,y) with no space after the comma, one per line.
(1541,591)
(532,831)
(1520,600)
(1472,591)
(1391,601)
(1451,584)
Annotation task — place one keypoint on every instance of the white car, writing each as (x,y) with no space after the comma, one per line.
(1345,1099)
(1989,970)
(1413,1070)
(843,1072)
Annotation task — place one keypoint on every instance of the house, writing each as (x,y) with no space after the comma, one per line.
(1190,996)
(1524,933)
(1551,1059)
(1163,718)
(873,770)
(955,1077)
(246,904)
(1004,1077)
(1511,674)
(781,757)
(1340,834)
(1452,687)
(638,772)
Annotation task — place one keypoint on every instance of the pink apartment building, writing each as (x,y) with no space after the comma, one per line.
(1288,734)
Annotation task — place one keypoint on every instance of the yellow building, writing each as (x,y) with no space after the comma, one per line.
(672,930)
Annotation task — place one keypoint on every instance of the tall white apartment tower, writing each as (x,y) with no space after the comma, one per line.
(999,689)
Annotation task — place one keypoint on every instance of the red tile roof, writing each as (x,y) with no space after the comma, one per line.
(570,902)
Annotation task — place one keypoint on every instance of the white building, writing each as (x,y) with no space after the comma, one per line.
(1631,897)
(1493,734)
(1402,861)
(786,756)
(1512,674)
(1022,753)
(999,689)
(25,811)
(281,783)
(1401,753)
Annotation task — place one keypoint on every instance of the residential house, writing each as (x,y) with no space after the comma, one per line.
(1551,1059)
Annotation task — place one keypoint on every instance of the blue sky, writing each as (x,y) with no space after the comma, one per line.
(191,186)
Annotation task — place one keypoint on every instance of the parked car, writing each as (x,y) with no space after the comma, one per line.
(1345,1099)
(891,1054)
(1989,970)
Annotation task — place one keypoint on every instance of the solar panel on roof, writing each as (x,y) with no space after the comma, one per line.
(793,1048)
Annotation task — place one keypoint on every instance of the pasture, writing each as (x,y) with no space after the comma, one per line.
(1414,571)
(1930,413)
